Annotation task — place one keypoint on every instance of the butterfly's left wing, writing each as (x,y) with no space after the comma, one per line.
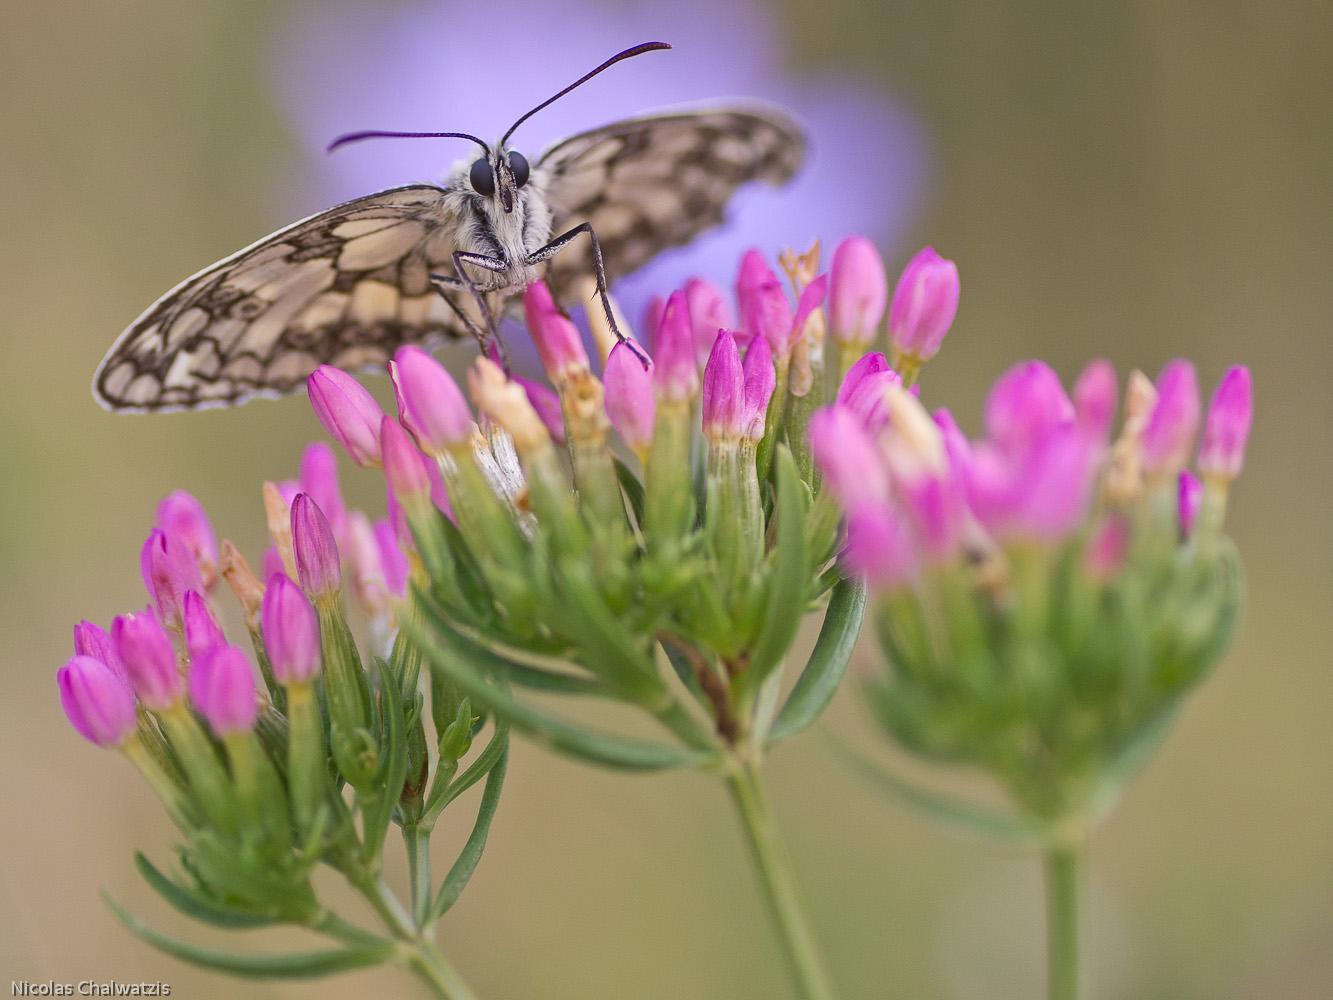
(651,183)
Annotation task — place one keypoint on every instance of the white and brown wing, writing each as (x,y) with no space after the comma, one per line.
(652,183)
(345,287)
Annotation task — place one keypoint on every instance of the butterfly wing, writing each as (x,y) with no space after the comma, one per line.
(651,183)
(345,287)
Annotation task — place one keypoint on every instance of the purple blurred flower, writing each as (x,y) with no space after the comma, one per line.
(1228,426)
(1189,497)
(419,66)
(395,563)
(222,687)
(1169,436)
(864,387)
(319,479)
(675,372)
(859,291)
(182,515)
(291,631)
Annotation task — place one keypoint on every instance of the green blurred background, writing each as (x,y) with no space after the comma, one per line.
(1135,180)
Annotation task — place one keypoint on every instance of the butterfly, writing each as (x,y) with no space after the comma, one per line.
(426,262)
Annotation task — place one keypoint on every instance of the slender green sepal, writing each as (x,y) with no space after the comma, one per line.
(827,665)
(461,872)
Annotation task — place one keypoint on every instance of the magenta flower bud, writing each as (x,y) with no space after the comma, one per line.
(1026,403)
(98,705)
(272,562)
(202,632)
(315,549)
(403,469)
(92,640)
(222,687)
(864,390)
(1169,436)
(319,480)
(1189,496)
(859,291)
(852,465)
(288,489)
(761,378)
(439,492)
(1228,426)
(558,342)
(169,570)
(180,514)
(363,554)
(709,316)
(1057,485)
(768,314)
(348,412)
(754,271)
(402,531)
(1106,551)
(924,304)
(723,402)
(430,404)
(547,405)
(149,659)
(956,445)
(652,317)
(395,563)
(675,372)
(879,548)
(1095,398)
(291,631)
(629,398)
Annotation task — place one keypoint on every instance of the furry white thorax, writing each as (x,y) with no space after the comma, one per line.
(484,227)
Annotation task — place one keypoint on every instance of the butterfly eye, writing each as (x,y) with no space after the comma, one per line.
(482,178)
(518,163)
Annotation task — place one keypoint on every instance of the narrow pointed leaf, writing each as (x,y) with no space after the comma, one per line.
(633,490)
(827,665)
(303,965)
(461,872)
(193,903)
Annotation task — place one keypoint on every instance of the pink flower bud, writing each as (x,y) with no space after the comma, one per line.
(222,687)
(1105,554)
(1057,485)
(754,271)
(853,468)
(348,412)
(1169,436)
(395,563)
(149,659)
(547,405)
(723,402)
(319,480)
(558,342)
(430,404)
(1026,403)
(291,631)
(760,381)
(272,563)
(675,373)
(652,317)
(629,397)
(403,470)
(202,632)
(1095,398)
(956,444)
(92,640)
(865,388)
(363,554)
(924,304)
(315,549)
(768,314)
(169,570)
(859,291)
(879,548)
(1228,426)
(98,705)
(1189,496)
(709,315)
(180,514)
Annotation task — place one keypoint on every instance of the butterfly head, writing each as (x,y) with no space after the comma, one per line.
(500,174)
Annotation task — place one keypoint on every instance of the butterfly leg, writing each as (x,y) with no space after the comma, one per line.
(559,243)
(496,265)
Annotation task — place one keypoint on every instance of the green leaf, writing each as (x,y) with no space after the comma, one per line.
(675,649)
(469,664)
(989,824)
(195,904)
(824,671)
(786,597)
(304,965)
(629,482)
(379,809)
(461,872)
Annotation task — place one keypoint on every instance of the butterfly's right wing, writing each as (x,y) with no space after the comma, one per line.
(650,183)
(345,287)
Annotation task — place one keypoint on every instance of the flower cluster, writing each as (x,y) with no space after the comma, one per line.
(1044,595)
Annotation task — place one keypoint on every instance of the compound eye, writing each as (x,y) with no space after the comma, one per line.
(482,178)
(518,163)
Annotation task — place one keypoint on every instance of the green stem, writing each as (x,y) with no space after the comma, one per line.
(1061,862)
(775,868)
(417,841)
(427,962)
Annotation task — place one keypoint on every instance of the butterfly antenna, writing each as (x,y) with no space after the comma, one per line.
(351,137)
(638,50)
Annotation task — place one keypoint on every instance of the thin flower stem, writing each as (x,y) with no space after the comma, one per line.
(417,841)
(775,868)
(1061,862)
(426,961)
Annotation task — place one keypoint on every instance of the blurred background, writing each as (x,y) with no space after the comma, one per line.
(1138,181)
